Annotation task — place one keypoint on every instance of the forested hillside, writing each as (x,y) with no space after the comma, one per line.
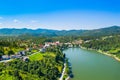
(113,30)
(108,44)
(40,66)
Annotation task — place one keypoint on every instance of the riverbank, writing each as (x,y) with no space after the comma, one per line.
(63,73)
(102,52)
(68,78)
(111,55)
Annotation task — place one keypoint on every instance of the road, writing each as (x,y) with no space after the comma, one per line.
(6,60)
(63,72)
(12,59)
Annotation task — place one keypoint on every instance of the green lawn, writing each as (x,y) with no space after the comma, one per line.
(49,54)
(37,56)
(40,56)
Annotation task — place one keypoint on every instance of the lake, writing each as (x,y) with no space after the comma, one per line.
(91,65)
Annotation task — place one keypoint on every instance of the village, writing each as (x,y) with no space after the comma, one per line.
(23,54)
(41,49)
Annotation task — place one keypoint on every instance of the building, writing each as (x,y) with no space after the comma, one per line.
(22,53)
(15,56)
(26,59)
(42,50)
(5,57)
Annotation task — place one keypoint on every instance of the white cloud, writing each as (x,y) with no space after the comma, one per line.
(16,21)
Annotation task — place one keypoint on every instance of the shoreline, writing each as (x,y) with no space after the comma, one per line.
(111,55)
(68,78)
(102,52)
(63,73)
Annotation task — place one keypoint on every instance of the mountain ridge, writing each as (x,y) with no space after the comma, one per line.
(49,32)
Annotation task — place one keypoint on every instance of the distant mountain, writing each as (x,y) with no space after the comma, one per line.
(38,32)
(24,31)
(113,30)
(47,32)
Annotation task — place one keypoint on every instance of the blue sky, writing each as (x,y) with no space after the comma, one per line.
(59,14)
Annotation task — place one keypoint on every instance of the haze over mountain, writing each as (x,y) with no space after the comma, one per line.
(47,32)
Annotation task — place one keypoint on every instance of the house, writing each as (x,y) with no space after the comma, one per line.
(42,50)
(18,56)
(22,53)
(47,45)
(5,57)
(57,42)
(26,59)
(41,46)
(15,56)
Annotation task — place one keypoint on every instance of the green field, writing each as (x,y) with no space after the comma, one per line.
(37,56)
(40,56)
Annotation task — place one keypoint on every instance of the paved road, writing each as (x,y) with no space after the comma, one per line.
(6,60)
(12,59)
(63,72)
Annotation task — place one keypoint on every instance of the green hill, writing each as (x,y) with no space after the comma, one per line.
(49,33)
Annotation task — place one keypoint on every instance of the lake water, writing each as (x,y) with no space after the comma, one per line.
(91,65)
